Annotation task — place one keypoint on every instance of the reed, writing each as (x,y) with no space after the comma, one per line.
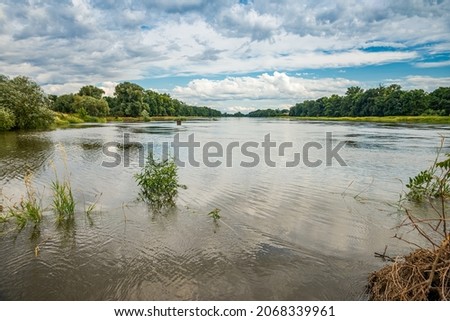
(63,201)
(29,208)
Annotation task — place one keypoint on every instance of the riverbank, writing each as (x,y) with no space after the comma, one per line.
(112,119)
(62,119)
(385,119)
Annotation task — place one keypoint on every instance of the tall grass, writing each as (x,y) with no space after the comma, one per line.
(63,201)
(29,209)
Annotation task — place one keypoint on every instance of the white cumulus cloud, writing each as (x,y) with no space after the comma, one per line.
(263,91)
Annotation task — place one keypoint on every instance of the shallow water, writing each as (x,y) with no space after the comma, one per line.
(286,233)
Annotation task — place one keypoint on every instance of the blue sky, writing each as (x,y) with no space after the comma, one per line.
(230,55)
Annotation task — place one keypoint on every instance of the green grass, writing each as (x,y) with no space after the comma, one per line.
(92,206)
(63,201)
(29,209)
(385,119)
(4,218)
(93,119)
(62,119)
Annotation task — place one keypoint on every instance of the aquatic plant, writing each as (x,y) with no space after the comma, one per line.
(63,201)
(158,181)
(29,208)
(215,214)
(92,206)
(424,274)
(4,218)
(433,182)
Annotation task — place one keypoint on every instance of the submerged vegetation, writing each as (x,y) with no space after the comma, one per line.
(433,182)
(29,210)
(158,181)
(63,201)
(425,273)
(215,214)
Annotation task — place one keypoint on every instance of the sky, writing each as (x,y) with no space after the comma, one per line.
(229,55)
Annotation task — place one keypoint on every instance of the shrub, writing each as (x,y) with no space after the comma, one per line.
(432,182)
(145,115)
(91,106)
(159,182)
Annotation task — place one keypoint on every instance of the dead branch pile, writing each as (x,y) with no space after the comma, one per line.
(422,275)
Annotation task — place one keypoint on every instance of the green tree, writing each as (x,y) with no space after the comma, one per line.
(7,119)
(91,106)
(440,100)
(64,104)
(114,107)
(27,102)
(91,91)
(130,99)
(380,101)
(415,102)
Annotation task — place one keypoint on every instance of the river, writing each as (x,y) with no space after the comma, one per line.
(303,232)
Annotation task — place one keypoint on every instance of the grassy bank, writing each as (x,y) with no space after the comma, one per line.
(386,119)
(155,118)
(146,119)
(62,119)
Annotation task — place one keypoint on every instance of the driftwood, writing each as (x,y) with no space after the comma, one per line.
(422,275)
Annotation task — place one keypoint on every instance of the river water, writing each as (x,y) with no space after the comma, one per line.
(286,232)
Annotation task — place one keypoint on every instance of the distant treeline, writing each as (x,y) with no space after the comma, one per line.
(24,105)
(260,113)
(129,100)
(357,102)
(380,101)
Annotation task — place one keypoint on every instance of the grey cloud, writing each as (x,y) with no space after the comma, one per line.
(244,21)
(95,41)
(52,20)
(208,54)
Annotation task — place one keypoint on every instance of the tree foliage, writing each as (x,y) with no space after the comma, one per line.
(91,91)
(26,101)
(7,119)
(132,100)
(380,101)
(64,104)
(129,100)
(268,113)
(90,106)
